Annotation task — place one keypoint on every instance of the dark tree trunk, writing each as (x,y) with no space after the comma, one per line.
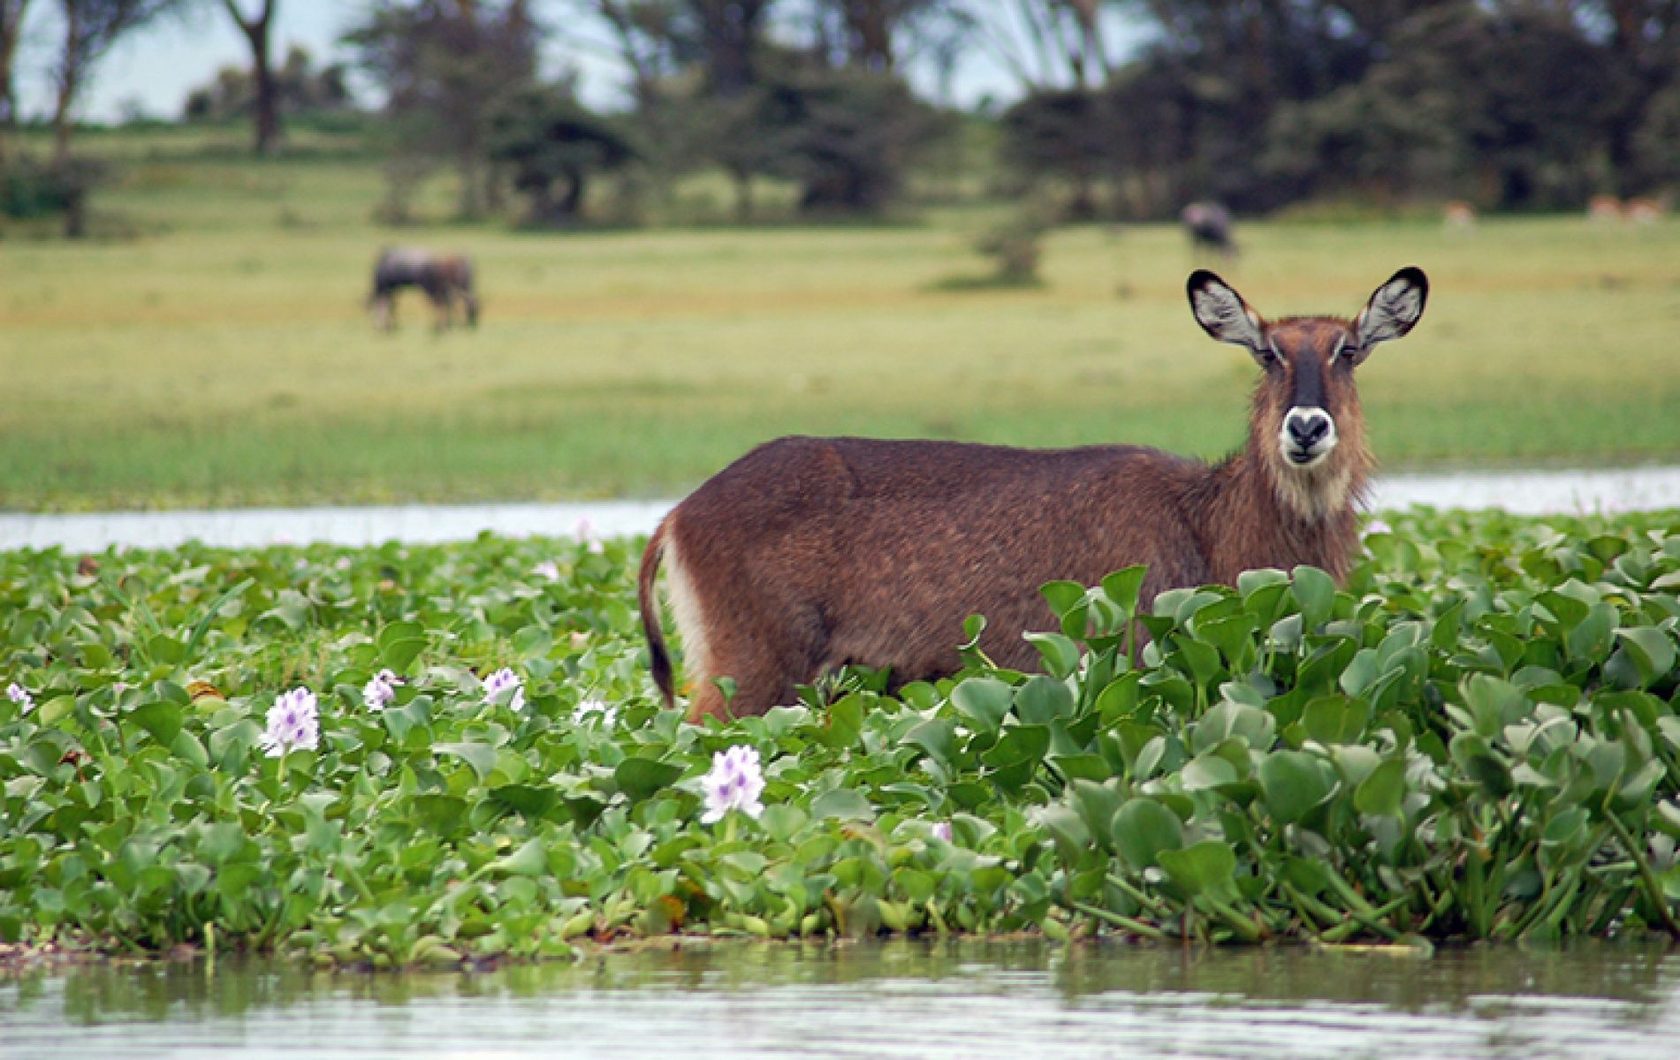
(266,133)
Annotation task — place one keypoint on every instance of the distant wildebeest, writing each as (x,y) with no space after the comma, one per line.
(808,554)
(446,279)
(1209,226)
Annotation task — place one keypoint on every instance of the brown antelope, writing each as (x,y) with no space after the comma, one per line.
(808,554)
(445,278)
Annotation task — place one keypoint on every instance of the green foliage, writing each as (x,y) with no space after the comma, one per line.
(1476,738)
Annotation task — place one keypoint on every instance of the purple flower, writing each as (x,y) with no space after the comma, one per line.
(548,570)
(505,686)
(20,695)
(942,830)
(380,690)
(293,722)
(734,783)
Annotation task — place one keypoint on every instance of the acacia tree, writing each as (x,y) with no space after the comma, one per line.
(266,102)
(90,27)
(553,146)
(11,31)
(446,67)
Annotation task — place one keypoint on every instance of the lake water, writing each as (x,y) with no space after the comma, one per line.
(900,999)
(1525,492)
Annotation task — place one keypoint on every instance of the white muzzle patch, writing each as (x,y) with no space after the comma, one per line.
(1307,437)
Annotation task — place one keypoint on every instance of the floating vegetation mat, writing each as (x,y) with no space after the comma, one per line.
(441,754)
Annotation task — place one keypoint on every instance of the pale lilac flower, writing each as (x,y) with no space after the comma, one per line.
(585,533)
(594,706)
(342,563)
(293,722)
(547,569)
(380,690)
(1377,526)
(942,830)
(734,783)
(20,695)
(505,685)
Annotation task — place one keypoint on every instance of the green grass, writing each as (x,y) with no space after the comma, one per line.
(222,357)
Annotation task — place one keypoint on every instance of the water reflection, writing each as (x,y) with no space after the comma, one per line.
(908,999)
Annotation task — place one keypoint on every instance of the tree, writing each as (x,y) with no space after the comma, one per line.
(553,146)
(90,28)
(299,87)
(848,137)
(266,109)
(446,66)
(11,31)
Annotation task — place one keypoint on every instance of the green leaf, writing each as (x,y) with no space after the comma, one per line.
(640,778)
(1204,867)
(162,720)
(399,643)
(844,804)
(1381,793)
(1062,596)
(1143,828)
(1652,650)
(1295,783)
(529,802)
(1060,653)
(983,701)
(481,756)
(936,736)
(1335,719)
(1315,592)
(1124,587)
(1042,700)
(530,859)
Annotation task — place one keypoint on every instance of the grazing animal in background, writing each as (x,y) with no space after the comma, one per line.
(1458,215)
(1602,208)
(447,279)
(1209,227)
(808,554)
(1644,211)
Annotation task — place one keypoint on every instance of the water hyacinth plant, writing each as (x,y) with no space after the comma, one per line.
(1475,738)
(293,723)
(735,782)
(20,695)
(380,690)
(505,686)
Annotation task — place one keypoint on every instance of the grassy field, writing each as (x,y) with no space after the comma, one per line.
(221,356)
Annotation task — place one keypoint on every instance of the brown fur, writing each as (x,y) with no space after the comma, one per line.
(808,554)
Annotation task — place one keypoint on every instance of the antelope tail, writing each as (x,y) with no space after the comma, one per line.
(647,598)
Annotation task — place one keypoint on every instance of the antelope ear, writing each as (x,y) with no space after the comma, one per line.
(1394,308)
(1222,313)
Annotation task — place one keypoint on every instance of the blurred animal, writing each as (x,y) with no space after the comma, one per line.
(809,554)
(447,280)
(1458,215)
(1604,208)
(1209,227)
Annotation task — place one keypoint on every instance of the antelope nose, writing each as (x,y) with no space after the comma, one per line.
(1307,428)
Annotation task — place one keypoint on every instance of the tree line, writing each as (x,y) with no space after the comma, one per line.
(1126,108)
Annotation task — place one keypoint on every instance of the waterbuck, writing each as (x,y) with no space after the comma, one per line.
(808,554)
(446,279)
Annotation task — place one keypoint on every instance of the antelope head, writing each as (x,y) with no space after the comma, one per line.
(1307,428)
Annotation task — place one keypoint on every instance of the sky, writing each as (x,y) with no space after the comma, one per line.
(151,71)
